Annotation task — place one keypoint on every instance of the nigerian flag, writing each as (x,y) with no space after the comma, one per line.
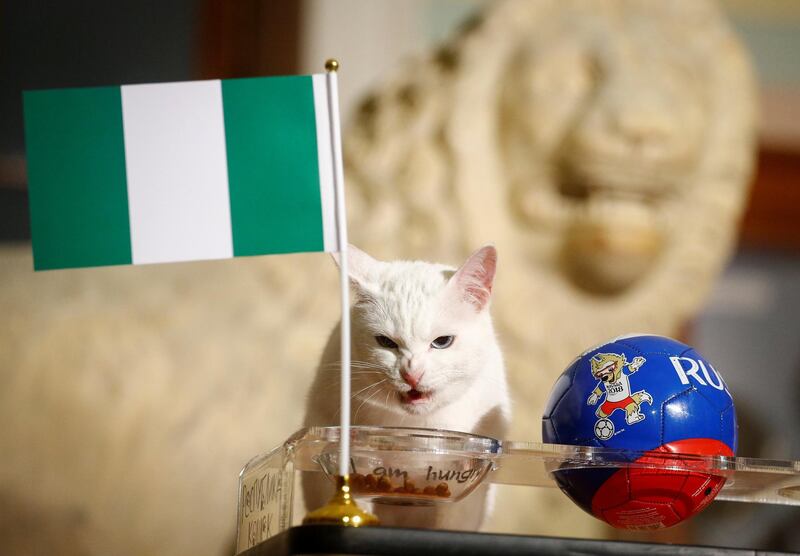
(179,171)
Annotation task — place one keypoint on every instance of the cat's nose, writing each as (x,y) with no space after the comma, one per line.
(411,378)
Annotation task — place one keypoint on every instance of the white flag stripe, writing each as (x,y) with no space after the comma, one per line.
(325,161)
(177,172)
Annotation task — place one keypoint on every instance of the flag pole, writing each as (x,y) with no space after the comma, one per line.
(331,68)
(342,509)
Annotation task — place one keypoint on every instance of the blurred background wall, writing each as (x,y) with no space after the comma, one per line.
(750,327)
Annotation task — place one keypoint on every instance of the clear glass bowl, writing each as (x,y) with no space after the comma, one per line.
(411,466)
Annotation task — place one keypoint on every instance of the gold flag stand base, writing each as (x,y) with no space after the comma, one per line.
(341,510)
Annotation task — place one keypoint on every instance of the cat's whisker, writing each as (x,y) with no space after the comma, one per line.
(365,363)
(357,377)
(365,401)
(336,383)
(338,364)
(368,387)
(354,372)
(358,409)
(355,364)
(334,386)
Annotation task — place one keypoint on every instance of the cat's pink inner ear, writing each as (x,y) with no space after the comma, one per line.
(359,266)
(474,280)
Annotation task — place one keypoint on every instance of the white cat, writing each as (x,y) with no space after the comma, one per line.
(424,355)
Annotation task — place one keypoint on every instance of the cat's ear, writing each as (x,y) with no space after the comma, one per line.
(474,280)
(360,267)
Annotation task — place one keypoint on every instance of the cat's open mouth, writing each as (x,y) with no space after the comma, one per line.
(414,396)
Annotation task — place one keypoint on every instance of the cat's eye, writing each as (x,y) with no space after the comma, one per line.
(443,342)
(386,342)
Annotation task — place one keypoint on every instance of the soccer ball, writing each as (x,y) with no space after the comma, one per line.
(648,394)
(604,429)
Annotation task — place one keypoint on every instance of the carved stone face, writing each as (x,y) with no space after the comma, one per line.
(605,147)
(601,128)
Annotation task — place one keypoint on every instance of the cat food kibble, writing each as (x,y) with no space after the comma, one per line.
(384,484)
(371,484)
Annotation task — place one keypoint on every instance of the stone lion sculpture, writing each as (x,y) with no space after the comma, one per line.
(604,147)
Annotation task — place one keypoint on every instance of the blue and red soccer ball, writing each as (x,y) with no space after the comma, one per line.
(642,394)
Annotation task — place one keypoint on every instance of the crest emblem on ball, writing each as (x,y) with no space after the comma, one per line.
(608,369)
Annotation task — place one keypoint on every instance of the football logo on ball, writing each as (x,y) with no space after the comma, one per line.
(604,429)
(652,397)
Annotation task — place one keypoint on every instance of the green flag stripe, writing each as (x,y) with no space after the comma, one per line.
(273,176)
(76,178)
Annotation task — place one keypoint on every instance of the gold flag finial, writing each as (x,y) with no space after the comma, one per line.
(332,64)
(342,509)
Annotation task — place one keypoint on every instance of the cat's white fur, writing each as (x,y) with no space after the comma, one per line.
(464,385)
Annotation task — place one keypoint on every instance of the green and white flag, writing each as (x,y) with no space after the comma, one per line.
(189,171)
(180,171)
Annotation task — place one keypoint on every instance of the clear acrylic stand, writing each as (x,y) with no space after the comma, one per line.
(425,466)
